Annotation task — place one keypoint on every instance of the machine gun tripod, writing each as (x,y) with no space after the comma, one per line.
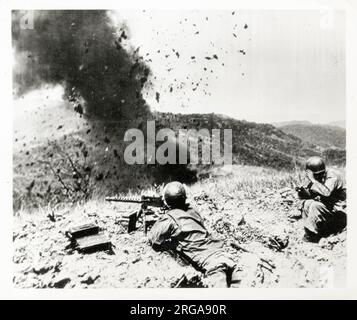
(147,215)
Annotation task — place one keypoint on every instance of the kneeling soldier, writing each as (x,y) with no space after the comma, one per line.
(324,201)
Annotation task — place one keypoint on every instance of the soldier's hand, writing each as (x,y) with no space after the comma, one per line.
(310,175)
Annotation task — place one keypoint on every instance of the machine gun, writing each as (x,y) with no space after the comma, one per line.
(147,215)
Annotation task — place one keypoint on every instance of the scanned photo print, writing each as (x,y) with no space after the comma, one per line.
(179,149)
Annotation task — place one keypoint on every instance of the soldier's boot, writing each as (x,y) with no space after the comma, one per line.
(235,278)
(216,279)
(310,236)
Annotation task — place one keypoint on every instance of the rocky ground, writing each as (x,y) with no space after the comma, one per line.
(248,207)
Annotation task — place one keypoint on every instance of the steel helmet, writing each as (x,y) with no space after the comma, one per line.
(175,194)
(316,165)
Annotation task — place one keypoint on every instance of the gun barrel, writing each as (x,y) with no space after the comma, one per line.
(144,200)
(123,199)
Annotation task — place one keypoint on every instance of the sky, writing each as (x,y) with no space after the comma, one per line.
(257,65)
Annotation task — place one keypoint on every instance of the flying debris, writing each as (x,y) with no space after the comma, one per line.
(123,36)
(117,45)
(157,97)
(78,108)
(245,26)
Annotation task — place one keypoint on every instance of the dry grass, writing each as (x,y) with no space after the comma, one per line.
(247,182)
(223,199)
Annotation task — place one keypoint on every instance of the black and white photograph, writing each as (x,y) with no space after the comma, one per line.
(179,149)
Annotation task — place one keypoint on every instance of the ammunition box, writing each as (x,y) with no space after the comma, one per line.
(89,244)
(82,231)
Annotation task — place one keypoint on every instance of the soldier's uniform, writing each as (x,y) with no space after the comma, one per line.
(327,204)
(185,227)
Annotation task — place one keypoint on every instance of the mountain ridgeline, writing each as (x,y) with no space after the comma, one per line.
(326,136)
(264,144)
(81,159)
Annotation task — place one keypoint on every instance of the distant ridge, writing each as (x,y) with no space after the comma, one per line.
(324,135)
(341,124)
(294,122)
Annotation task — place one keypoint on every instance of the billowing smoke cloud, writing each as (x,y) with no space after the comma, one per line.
(86,53)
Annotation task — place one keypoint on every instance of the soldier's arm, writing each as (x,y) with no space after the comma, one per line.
(161,231)
(326,189)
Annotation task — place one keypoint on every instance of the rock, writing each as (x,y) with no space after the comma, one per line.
(242,221)
(135,260)
(328,243)
(323,242)
(278,239)
(41,269)
(90,280)
(60,282)
(99,177)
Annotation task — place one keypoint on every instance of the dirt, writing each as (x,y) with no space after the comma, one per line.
(260,225)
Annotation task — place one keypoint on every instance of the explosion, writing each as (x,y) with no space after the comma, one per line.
(87,54)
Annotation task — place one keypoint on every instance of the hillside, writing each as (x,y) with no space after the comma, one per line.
(326,136)
(259,144)
(60,155)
